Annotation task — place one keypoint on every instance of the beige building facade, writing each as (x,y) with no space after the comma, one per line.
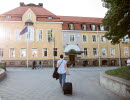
(79,39)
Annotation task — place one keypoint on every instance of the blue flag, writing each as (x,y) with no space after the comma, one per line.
(24,30)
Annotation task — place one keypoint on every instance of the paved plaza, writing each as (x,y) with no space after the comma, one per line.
(28,84)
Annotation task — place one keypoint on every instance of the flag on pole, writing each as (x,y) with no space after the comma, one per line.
(24,30)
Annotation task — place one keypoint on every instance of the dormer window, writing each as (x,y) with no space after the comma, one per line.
(93,27)
(83,26)
(71,26)
(49,17)
(7,16)
(101,28)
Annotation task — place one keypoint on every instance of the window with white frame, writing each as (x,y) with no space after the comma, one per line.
(104,52)
(126,51)
(93,27)
(30,33)
(7,16)
(85,51)
(103,39)
(50,36)
(101,28)
(54,51)
(34,53)
(112,51)
(125,39)
(85,38)
(39,35)
(1,53)
(49,18)
(29,15)
(72,38)
(12,53)
(18,37)
(71,26)
(7,35)
(95,52)
(23,53)
(44,52)
(84,27)
(94,38)
(1,34)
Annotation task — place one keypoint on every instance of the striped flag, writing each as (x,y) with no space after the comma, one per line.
(24,30)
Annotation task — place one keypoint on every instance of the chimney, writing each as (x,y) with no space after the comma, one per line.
(41,4)
(22,4)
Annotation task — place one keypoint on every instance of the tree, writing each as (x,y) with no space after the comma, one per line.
(117,19)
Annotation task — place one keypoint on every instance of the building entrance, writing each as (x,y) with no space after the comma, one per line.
(72,60)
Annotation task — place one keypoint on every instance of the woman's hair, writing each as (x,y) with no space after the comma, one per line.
(61,56)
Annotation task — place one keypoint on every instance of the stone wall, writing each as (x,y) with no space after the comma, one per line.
(2,73)
(117,85)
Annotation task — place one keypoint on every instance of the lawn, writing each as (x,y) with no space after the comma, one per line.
(123,72)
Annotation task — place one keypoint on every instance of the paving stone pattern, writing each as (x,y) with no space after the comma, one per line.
(28,84)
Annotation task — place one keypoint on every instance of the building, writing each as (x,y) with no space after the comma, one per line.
(80,39)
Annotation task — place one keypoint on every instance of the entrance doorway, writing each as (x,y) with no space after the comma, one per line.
(72,60)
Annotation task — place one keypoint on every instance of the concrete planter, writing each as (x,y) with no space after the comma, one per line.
(2,73)
(117,85)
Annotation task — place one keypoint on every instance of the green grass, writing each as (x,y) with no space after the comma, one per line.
(123,72)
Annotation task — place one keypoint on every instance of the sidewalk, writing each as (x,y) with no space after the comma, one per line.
(28,84)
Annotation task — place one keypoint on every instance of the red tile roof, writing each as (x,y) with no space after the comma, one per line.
(75,19)
(39,11)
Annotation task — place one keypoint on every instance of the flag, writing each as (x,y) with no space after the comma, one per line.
(24,30)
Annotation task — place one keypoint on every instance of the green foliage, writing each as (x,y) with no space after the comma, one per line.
(3,66)
(123,72)
(117,19)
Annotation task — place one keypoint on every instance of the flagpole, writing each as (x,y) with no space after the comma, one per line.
(54,53)
(27,45)
(99,59)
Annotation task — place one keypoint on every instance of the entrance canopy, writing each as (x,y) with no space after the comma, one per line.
(72,49)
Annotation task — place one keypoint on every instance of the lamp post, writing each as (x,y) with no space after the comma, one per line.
(119,48)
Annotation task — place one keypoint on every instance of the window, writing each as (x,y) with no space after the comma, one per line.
(44,52)
(1,52)
(49,17)
(12,53)
(103,39)
(112,51)
(30,34)
(7,16)
(39,35)
(54,51)
(101,28)
(72,38)
(71,26)
(17,36)
(125,39)
(50,36)
(23,53)
(7,35)
(85,38)
(85,51)
(94,38)
(93,27)
(126,51)
(83,26)
(34,53)
(104,53)
(95,53)
(29,15)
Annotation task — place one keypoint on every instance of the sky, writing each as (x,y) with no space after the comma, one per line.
(84,8)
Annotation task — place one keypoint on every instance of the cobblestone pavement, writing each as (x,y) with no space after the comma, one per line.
(28,84)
